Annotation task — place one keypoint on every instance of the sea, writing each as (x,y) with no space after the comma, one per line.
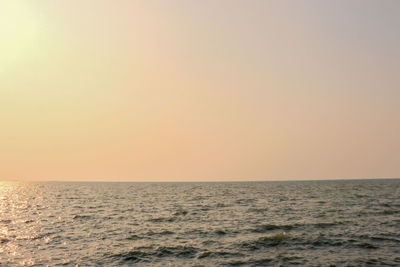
(290,223)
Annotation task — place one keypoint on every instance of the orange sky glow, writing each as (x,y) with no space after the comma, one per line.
(199,90)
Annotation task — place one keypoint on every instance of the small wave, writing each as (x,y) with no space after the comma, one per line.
(140,248)
(351,243)
(181,213)
(134,237)
(276,238)
(326,224)
(220,232)
(4,240)
(209,242)
(222,205)
(37,237)
(198,198)
(162,219)
(258,262)
(81,217)
(265,241)
(389,212)
(366,245)
(378,238)
(245,201)
(166,232)
(177,251)
(217,254)
(261,262)
(269,227)
(325,243)
(131,256)
(258,210)
(206,208)
(140,254)
(286,227)
(289,257)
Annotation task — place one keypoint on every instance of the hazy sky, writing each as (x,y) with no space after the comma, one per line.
(199,90)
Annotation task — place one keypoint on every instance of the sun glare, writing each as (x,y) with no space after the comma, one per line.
(17,32)
(5,188)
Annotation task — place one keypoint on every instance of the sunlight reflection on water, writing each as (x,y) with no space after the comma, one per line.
(15,227)
(202,224)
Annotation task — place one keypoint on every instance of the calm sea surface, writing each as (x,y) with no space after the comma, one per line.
(330,223)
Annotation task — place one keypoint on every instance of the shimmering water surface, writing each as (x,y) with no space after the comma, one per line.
(201,224)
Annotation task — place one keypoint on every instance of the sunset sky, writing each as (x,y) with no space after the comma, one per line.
(199,90)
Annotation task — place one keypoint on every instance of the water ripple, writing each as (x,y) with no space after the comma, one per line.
(201,224)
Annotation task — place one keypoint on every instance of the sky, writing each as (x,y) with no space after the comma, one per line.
(199,90)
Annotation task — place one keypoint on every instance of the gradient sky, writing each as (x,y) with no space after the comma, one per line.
(199,90)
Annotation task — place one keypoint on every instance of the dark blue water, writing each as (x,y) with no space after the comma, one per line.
(337,223)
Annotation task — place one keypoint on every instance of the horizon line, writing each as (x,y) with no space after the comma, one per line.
(200,181)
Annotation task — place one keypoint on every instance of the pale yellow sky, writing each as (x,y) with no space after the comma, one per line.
(199,90)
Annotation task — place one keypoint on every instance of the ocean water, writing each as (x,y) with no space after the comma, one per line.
(324,223)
